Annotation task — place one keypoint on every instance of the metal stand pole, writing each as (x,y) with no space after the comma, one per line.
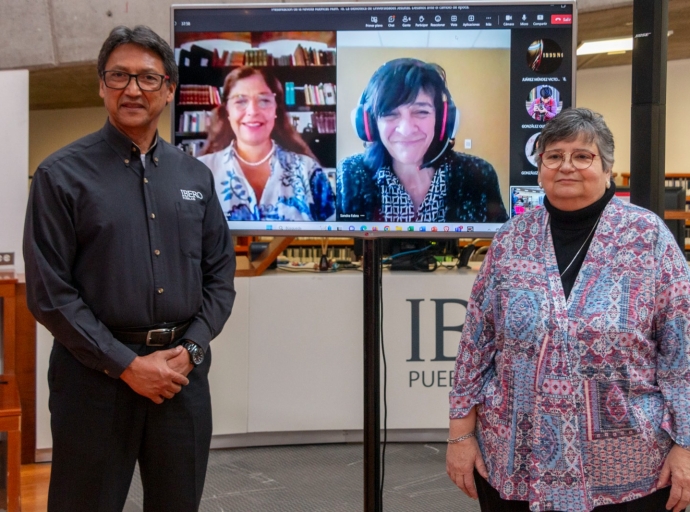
(372,381)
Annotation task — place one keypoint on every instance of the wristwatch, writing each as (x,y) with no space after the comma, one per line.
(196,353)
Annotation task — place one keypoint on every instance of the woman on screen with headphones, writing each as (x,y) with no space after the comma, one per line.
(409,172)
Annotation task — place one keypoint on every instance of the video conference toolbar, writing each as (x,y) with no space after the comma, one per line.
(413,17)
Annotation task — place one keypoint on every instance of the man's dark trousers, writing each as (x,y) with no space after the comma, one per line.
(101,428)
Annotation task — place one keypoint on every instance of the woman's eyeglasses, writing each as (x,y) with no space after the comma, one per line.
(262,101)
(579,159)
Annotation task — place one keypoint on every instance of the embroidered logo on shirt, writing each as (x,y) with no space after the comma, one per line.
(191,195)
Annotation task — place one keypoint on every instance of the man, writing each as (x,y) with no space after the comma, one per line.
(544,107)
(130,265)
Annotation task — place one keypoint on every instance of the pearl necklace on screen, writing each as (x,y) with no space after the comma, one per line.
(254,164)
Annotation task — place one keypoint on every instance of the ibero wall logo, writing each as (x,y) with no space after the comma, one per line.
(423,370)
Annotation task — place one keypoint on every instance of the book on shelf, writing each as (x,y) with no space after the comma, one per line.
(324,122)
(329,93)
(312,57)
(195,121)
(200,57)
(192,147)
(321,94)
(191,94)
(227,58)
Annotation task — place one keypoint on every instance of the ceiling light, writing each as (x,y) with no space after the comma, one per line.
(611,46)
(623,44)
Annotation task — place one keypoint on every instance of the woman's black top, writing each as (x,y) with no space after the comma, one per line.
(471,190)
(569,231)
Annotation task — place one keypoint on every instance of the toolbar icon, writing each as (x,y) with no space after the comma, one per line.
(406,19)
(421,19)
(469,18)
(374,19)
(454,18)
(391,19)
(437,19)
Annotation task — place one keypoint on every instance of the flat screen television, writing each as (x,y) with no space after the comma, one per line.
(370,119)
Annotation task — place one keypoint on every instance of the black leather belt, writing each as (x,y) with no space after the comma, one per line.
(163,335)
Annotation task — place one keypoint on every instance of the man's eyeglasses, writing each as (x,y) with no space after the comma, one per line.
(263,101)
(579,159)
(149,82)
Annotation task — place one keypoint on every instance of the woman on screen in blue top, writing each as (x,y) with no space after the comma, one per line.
(409,172)
(262,168)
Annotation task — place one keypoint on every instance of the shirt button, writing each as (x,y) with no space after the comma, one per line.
(157,252)
(145,180)
(127,161)
(160,290)
(155,159)
(153,215)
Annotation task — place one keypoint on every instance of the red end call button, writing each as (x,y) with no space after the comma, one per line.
(561,19)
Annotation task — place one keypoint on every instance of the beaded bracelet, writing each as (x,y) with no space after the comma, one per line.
(459,439)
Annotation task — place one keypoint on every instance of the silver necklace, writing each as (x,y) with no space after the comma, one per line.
(254,164)
(583,245)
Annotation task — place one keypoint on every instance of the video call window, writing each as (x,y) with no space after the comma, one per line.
(523,199)
(240,91)
(473,67)
(422,120)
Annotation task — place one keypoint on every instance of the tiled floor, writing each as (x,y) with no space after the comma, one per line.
(323,478)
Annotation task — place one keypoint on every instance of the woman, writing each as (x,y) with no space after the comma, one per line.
(263,169)
(572,382)
(409,172)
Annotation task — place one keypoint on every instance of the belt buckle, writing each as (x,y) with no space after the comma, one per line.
(154,337)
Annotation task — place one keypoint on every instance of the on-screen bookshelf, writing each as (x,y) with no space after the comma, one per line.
(304,63)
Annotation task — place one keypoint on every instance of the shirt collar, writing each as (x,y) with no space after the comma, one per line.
(124,147)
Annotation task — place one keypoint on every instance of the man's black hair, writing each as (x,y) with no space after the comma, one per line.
(143,36)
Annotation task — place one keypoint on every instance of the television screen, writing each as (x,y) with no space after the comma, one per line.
(371,119)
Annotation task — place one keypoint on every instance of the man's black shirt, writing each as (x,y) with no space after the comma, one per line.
(113,243)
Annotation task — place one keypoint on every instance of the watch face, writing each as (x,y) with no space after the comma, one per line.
(196,353)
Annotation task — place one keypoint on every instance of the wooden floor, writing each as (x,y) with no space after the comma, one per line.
(35,478)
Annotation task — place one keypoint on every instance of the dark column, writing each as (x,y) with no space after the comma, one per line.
(372,382)
(648,113)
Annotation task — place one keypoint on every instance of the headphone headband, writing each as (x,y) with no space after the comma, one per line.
(447,119)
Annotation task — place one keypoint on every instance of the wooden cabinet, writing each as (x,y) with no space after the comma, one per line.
(10,405)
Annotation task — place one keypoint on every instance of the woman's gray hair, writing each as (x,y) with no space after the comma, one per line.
(574,123)
(143,36)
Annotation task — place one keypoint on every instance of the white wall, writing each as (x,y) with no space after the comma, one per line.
(50,130)
(290,359)
(609,91)
(14,134)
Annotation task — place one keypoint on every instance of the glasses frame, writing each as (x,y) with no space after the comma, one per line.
(136,79)
(252,98)
(570,158)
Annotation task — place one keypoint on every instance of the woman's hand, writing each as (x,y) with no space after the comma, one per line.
(461,459)
(677,469)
